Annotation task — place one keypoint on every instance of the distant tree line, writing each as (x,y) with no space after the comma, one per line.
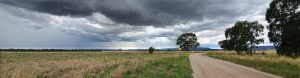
(98,50)
(283,17)
(32,50)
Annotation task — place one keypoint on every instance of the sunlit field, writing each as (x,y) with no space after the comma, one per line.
(94,65)
(268,62)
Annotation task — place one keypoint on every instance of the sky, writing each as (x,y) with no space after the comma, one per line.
(124,24)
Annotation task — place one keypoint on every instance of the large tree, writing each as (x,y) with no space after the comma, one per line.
(243,37)
(187,41)
(225,44)
(284,26)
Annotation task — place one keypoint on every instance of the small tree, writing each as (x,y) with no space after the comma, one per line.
(151,50)
(187,41)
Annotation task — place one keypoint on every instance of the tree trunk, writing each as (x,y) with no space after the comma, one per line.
(238,52)
(251,50)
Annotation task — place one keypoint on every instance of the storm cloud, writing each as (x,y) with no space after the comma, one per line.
(137,12)
(132,22)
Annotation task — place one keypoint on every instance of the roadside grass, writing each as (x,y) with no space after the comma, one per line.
(279,65)
(171,67)
(91,64)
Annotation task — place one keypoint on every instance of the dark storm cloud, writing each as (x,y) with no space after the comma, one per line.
(140,22)
(56,7)
(133,12)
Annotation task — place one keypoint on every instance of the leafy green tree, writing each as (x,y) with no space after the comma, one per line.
(243,37)
(187,41)
(283,17)
(225,44)
(151,50)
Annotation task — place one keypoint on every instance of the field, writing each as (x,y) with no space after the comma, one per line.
(94,65)
(268,62)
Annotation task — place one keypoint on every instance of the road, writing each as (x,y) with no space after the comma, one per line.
(207,67)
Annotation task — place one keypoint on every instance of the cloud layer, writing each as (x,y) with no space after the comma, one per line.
(135,23)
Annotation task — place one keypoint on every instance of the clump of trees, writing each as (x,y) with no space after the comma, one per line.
(243,37)
(283,17)
(188,41)
(151,50)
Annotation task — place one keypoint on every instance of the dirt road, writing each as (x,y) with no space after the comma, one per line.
(206,67)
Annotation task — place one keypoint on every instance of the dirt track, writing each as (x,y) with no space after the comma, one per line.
(206,67)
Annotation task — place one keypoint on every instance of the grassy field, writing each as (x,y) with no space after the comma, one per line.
(269,62)
(94,65)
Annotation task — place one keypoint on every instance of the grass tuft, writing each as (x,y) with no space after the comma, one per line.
(101,73)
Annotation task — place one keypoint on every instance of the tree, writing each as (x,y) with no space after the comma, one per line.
(151,50)
(243,37)
(187,41)
(225,44)
(283,17)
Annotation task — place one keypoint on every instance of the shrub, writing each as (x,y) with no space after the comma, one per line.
(151,50)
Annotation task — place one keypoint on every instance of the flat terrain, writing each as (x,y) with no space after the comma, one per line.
(268,61)
(85,64)
(206,67)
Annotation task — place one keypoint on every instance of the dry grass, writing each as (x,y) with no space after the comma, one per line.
(74,64)
(268,56)
(267,61)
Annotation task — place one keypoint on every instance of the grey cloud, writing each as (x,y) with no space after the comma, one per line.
(56,7)
(139,12)
(116,17)
(133,12)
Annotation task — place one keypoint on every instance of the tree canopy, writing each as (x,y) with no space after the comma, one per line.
(283,17)
(187,41)
(151,50)
(243,37)
(225,44)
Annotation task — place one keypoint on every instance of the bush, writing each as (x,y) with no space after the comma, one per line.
(151,50)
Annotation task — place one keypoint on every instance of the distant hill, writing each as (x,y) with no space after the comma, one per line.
(197,49)
(209,49)
(204,49)
(264,48)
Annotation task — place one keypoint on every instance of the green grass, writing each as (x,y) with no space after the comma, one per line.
(171,67)
(94,64)
(278,65)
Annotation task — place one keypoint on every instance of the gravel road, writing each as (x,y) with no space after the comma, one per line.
(207,67)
